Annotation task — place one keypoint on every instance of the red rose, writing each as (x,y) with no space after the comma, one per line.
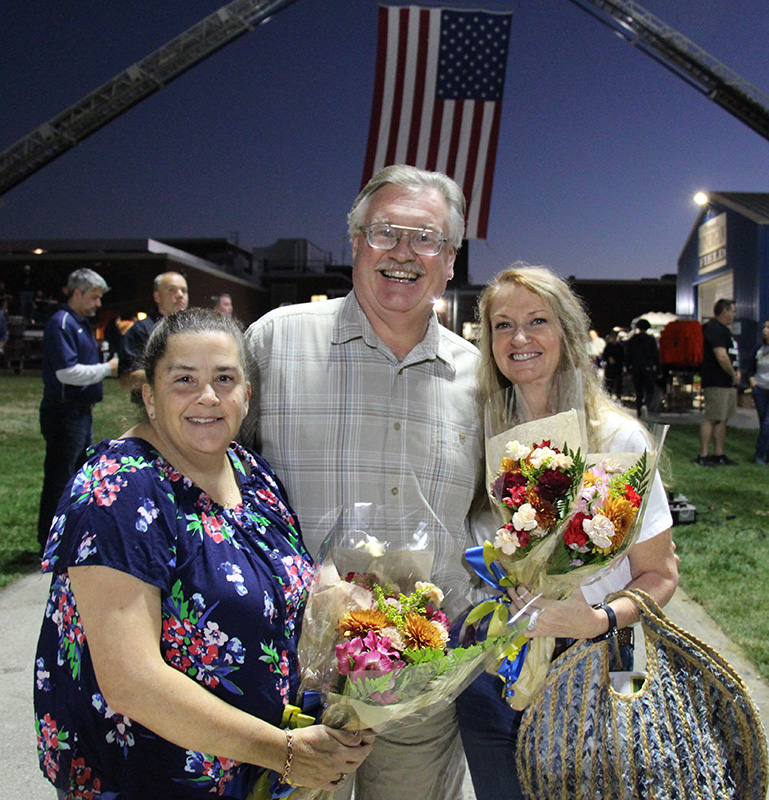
(552,484)
(574,536)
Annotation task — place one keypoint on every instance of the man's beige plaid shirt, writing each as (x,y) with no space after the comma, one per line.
(342,421)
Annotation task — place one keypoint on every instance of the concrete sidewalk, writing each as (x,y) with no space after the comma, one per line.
(21,611)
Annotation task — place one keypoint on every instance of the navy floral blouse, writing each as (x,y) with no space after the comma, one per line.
(233,585)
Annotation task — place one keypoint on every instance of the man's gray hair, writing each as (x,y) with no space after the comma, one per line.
(405,175)
(85,279)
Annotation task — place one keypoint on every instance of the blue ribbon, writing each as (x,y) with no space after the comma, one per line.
(510,668)
(474,556)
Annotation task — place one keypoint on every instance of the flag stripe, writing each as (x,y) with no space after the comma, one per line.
(437,98)
(378,105)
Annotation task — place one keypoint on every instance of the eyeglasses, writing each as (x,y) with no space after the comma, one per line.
(423,241)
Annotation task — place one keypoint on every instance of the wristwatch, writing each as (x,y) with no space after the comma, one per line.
(613,629)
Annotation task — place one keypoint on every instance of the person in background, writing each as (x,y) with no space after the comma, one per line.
(596,347)
(72,383)
(759,380)
(169,291)
(367,398)
(642,359)
(167,653)
(533,327)
(720,376)
(613,360)
(223,303)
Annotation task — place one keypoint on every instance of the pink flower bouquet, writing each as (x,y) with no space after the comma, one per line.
(375,640)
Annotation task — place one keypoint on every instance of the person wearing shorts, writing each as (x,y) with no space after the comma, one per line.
(720,379)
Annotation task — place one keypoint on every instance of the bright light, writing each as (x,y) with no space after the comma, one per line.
(141,315)
(701,198)
(440,305)
(318,298)
(39,251)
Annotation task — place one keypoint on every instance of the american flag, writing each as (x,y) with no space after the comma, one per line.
(438,98)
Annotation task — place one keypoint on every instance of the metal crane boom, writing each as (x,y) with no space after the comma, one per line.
(684,58)
(125,90)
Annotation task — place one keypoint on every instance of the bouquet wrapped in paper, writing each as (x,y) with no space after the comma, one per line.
(375,642)
(576,516)
(534,471)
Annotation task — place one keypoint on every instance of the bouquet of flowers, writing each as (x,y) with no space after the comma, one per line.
(534,470)
(608,515)
(375,643)
(534,490)
(571,518)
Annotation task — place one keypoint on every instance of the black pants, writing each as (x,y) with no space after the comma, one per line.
(66,428)
(644,383)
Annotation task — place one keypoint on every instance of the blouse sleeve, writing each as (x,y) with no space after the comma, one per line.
(121,513)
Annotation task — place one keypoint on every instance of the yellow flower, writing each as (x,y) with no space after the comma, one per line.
(590,479)
(507,465)
(420,633)
(359,623)
(622,513)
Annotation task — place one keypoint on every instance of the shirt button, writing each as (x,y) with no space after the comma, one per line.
(397,426)
(461,437)
(394,490)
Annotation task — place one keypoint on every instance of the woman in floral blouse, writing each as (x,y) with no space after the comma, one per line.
(168,649)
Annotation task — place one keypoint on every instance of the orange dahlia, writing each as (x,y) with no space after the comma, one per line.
(359,623)
(420,633)
(622,513)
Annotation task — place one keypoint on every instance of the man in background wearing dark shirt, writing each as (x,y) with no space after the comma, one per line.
(169,291)
(720,378)
(642,359)
(72,382)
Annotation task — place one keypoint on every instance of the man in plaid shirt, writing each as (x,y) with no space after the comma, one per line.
(368,399)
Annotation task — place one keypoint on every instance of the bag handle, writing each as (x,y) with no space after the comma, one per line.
(652,616)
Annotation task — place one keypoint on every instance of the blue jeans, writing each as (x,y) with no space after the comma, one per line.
(489,729)
(66,428)
(761,399)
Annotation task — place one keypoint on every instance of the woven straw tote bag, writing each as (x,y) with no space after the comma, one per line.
(692,732)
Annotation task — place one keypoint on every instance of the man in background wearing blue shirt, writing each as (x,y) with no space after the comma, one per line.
(72,383)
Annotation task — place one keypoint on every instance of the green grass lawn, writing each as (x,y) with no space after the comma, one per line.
(21,463)
(724,555)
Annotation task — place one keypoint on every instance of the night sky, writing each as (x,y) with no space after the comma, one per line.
(601,149)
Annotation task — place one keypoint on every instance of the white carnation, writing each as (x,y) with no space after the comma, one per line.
(600,529)
(611,465)
(395,636)
(525,518)
(562,461)
(517,451)
(506,541)
(541,456)
(434,594)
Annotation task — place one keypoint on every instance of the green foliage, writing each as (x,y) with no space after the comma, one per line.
(22,451)
(725,554)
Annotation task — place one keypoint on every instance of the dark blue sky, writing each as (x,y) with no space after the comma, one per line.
(601,149)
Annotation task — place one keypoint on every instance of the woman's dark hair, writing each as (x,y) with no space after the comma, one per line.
(192,320)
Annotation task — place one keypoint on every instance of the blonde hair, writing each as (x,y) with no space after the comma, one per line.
(567,307)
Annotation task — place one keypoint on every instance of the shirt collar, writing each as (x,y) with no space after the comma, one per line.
(352,323)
